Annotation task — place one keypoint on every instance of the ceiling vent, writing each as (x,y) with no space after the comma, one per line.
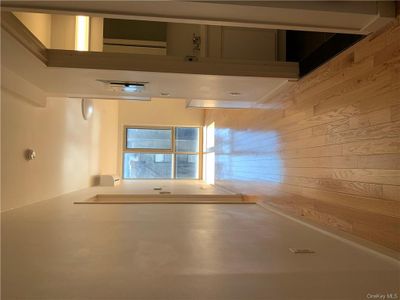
(124,86)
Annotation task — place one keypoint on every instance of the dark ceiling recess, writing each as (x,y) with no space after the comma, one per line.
(135,30)
(312,49)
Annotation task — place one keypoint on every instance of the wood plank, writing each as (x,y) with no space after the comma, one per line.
(380,161)
(352,78)
(310,119)
(390,54)
(368,175)
(347,162)
(360,121)
(341,186)
(391,177)
(358,89)
(329,151)
(333,127)
(361,223)
(326,72)
(395,112)
(386,130)
(323,151)
(370,119)
(365,224)
(381,206)
(379,146)
(376,42)
(391,192)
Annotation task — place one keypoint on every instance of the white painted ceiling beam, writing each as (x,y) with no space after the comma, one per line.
(357,17)
(169,64)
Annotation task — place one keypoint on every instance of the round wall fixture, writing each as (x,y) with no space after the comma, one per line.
(87,108)
(30,154)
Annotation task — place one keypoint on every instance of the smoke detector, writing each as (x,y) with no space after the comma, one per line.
(124,86)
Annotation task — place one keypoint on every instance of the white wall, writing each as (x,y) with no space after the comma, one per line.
(70,150)
(63,32)
(38,24)
(249,43)
(106,133)
(241,43)
(96,34)
(162,112)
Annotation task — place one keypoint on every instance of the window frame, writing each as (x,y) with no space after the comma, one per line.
(172,151)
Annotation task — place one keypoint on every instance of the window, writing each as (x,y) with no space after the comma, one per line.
(161,153)
(147,138)
(187,139)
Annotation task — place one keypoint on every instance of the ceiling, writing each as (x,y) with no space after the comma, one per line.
(76,82)
(73,74)
(356,17)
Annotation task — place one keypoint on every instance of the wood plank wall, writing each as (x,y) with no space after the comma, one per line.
(329,151)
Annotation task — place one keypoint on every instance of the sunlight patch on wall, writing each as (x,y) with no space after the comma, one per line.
(209,154)
(247,155)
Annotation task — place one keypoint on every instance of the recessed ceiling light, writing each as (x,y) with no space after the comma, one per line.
(133,88)
(234,93)
(124,86)
(164,94)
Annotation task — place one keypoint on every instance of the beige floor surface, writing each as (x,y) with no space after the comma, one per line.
(57,250)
